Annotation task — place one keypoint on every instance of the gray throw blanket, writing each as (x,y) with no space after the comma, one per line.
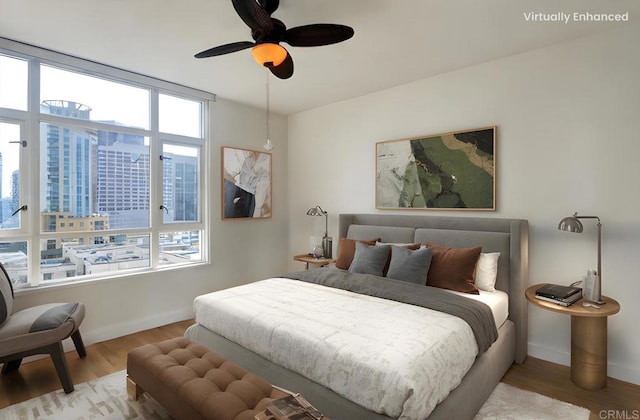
(477,314)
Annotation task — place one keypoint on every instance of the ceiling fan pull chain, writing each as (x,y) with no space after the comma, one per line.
(266,72)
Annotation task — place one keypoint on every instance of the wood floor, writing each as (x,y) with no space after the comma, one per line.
(620,400)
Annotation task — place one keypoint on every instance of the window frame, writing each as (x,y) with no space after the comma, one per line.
(30,229)
(172,139)
(23,163)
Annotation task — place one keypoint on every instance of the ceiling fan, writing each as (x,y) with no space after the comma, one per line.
(268,33)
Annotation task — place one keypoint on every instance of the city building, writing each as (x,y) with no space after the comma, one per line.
(1,196)
(180,187)
(122,184)
(15,191)
(67,161)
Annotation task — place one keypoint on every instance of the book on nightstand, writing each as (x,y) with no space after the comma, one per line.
(560,295)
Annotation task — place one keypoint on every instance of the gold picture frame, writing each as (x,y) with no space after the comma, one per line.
(450,171)
(246,184)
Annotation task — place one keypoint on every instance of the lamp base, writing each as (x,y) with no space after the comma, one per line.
(327,245)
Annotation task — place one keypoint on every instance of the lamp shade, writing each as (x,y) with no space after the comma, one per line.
(269,55)
(316,211)
(571,224)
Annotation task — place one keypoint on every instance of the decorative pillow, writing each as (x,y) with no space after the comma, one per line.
(453,268)
(369,259)
(487,271)
(410,265)
(346,250)
(6,296)
(403,245)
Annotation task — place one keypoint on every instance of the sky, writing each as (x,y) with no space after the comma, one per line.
(109,101)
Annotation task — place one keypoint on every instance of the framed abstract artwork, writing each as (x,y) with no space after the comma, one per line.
(451,171)
(246,184)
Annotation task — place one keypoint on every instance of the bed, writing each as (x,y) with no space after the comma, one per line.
(507,236)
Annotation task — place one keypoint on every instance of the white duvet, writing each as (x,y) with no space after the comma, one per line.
(395,359)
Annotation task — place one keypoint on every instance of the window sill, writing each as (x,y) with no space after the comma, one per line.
(43,288)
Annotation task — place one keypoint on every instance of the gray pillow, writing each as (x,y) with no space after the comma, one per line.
(369,259)
(409,265)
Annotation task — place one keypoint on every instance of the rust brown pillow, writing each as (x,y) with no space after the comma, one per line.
(453,268)
(347,249)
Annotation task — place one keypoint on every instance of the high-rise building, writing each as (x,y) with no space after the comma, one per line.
(67,158)
(185,188)
(1,212)
(122,186)
(109,138)
(15,191)
(180,187)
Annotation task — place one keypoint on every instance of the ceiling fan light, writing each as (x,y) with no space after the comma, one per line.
(269,55)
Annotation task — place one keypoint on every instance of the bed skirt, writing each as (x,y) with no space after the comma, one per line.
(462,403)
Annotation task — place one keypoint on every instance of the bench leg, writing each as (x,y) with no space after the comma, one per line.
(133,390)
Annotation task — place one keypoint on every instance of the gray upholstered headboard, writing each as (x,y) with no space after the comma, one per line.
(510,237)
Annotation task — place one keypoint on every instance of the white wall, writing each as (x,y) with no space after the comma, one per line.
(242,250)
(567,140)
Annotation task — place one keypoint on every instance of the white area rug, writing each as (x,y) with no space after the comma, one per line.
(106,398)
(511,403)
(103,398)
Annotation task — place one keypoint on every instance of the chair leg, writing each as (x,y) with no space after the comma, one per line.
(59,361)
(77,341)
(11,366)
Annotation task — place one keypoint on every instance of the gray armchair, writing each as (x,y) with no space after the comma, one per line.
(38,330)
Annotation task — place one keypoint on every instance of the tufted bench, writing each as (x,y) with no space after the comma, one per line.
(192,382)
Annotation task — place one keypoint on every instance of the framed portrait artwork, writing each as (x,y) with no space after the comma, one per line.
(246,184)
(450,171)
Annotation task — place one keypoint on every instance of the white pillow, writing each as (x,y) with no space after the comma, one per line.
(487,271)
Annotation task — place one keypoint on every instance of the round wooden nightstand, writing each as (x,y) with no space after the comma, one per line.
(588,338)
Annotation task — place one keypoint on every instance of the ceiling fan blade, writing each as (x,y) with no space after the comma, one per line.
(317,34)
(269,5)
(253,15)
(284,70)
(225,49)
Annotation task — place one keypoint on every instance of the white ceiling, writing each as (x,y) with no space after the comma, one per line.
(395,42)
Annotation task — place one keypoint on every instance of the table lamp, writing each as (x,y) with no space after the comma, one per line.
(327,242)
(573,224)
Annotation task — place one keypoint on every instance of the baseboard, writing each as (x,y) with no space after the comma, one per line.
(109,332)
(614,370)
(550,355)
(624,373)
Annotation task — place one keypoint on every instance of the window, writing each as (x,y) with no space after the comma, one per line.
(13,82)
(94,98)
(180,186)
(97,131)
(180,116)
